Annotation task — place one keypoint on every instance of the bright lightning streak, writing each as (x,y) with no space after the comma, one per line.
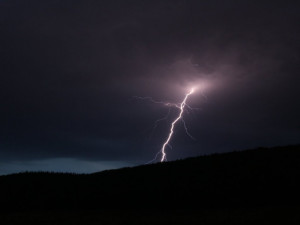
(182,105)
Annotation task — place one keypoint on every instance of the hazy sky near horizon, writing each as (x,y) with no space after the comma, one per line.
(69,71)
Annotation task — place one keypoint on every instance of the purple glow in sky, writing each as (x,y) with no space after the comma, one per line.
(69,69)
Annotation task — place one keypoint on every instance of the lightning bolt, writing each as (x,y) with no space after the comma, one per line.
(166,143)
(181,106)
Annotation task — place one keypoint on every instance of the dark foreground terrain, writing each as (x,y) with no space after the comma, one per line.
(250,187)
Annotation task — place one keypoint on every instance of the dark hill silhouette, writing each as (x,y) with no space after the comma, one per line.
(248,187)
(254,178)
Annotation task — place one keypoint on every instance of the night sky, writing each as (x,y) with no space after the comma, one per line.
(69,71)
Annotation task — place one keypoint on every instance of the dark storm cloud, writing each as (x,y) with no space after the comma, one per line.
(69,70)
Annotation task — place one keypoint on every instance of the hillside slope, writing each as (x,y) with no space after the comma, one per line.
(253,178)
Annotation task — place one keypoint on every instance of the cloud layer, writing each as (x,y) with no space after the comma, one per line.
(69,70)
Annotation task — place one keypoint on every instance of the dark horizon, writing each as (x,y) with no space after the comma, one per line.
(70,71)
